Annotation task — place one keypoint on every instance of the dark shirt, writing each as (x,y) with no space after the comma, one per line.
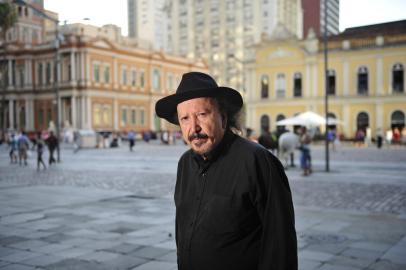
(52,142)
(234,210)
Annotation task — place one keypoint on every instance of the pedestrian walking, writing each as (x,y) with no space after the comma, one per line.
(23,147)
(131,139)
(40,150)
(52,142)
(233,202)
(13,143)
(305,158)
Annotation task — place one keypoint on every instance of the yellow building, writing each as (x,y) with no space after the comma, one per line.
(366,71)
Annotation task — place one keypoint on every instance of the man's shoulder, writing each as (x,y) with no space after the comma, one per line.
(246,147)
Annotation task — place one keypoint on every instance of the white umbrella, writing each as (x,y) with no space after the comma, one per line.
(303,119)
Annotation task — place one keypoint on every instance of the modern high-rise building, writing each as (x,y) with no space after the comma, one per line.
(147,20)
(223,32)
(313,16)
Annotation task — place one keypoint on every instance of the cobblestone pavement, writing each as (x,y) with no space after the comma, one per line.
(112,209)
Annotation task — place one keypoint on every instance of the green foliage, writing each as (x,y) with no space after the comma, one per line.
(8,16)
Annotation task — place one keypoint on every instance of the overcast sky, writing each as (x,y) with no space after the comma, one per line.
(100,12)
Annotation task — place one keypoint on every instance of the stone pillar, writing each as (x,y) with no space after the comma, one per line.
(346,79)
(10,72)
(29,114)
(88,69)
(379,77)
(73,111)
(72,67)
(314,80)
(11,113)
(89,112)
(115,114)
(306,90)
(346,120)
(82,68)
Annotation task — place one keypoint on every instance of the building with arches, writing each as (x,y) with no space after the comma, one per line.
(106,82)
(366,79)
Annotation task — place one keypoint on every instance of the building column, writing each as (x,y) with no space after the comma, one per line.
(73,111)
(11,113)
(346,78)
(88,68)
(115,73)
(72,67)
(29,114)
(314,80)
(115,114)
(89,113)
(83,113)
(346,119)
(379,123)
(306,92)
(10,73)
(379,76)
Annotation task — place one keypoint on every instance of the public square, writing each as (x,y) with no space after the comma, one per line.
(113,209)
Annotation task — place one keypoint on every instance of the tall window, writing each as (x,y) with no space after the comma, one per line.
(124,116)
(41,117)
(142,116)
(123,75)
(133,116)
(362,81)
(398,78)
(107,115)
(40,74)
(142,79)
(297,84)
(362,121)
(48,73)
(96,72)
(133,77)
(156,79)
(106,74)
(265,123)
(280,85)
(96,115)
(264,86)
(331,82)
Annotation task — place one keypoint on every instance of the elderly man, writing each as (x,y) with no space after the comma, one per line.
(233,202)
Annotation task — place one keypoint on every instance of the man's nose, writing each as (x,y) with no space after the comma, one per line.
(196,125)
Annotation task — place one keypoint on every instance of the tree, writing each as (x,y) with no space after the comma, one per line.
(8,17)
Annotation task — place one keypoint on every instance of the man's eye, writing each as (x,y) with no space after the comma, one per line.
(202,114)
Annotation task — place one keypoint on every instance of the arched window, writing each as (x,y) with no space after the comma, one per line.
(264,86)
(398,78)
(398,120)
(297,84)
(156,79)
(331,81)
(280,85)
(265,123)
(363,81)
(280,129)
(362,121)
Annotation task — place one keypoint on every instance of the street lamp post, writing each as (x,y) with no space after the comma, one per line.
(326,86)
(56,63)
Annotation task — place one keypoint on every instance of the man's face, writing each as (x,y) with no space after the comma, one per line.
(201,123)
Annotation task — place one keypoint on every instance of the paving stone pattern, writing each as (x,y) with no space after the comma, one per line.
(112,209)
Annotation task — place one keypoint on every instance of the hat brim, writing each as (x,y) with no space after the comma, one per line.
(167,107)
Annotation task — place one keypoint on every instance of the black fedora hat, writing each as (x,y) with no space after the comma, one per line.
(196,85)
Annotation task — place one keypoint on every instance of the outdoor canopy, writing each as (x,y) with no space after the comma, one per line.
(308,119)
